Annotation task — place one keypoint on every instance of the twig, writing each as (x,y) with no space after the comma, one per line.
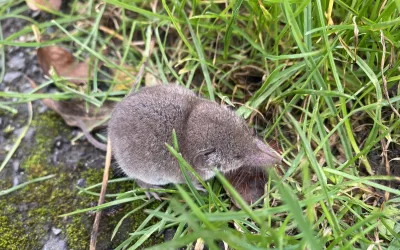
(139,76)
(382,6)
(385,90)
(385,159)
(95,230)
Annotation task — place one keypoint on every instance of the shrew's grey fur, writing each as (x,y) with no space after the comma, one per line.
(209,136)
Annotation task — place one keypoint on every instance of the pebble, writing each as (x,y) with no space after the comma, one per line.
(29,135)
(8,147)
(23,208)
(58,142)
(56,231)
(17,62)
(15,165)
(15,181)
(81,183)
(9,77)
(55,244)
(42,108)
(17,132)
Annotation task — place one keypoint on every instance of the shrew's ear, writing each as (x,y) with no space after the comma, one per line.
(200,159)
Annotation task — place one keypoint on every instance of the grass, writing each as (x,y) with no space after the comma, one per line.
(307,74)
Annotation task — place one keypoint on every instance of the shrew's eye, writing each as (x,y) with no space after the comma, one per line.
(209,151)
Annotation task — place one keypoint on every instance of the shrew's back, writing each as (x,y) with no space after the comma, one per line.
(140,126)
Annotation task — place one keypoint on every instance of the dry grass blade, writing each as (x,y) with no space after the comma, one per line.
(120,37)
(385,90)
(199,244)
(95,230)
(385,147)
(356,32)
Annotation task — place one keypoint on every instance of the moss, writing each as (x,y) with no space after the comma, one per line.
(78,238)
(111,216)
(29,213)
(39,205)
(12,234)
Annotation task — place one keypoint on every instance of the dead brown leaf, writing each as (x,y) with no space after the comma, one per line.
(249,182)
(44,4)
(74,110)
(64,64)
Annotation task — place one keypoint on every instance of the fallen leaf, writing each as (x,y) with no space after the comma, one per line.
(64,64)
(44,4)
(249,182)
(73,111)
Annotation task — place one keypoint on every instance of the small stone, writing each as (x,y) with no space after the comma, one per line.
(18,131)
(23,208)
(81,183)
(29,134)
(35,13)
(58,144)
(15,165)
(55,244)
(7,147)
(42,108)
(33,69)
(17,62)
(56,231)
(15,181)
(25,88)
(50,30)
(11,76)
(54,159)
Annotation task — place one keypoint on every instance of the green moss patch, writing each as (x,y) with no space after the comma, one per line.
(27,215)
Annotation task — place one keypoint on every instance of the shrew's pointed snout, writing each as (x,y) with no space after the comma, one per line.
(270,157)
(274,157)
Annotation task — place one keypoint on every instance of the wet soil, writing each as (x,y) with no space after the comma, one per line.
(379,165)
